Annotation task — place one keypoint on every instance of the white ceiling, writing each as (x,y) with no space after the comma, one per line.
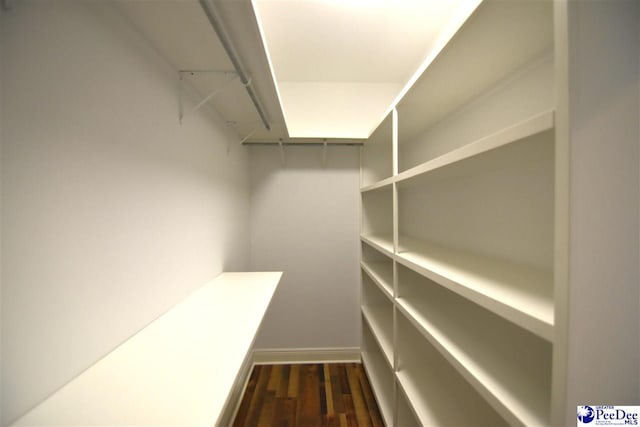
(340,64)
(350,41)
(322,68)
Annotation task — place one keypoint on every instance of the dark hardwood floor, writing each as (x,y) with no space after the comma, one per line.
(314,395)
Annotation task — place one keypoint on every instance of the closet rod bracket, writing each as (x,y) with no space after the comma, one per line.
(183,74)
(243,139)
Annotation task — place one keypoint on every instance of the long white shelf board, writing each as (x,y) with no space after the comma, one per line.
(520,404)
(382,243)
(381,391)
(505,34)
(531,126)
(520,294)
(381,273)
(447,403)
(377,318)
(178,371)
(377,185)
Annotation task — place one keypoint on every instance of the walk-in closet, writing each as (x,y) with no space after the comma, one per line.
(314,213)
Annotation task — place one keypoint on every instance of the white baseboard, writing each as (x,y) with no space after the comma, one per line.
(306,355)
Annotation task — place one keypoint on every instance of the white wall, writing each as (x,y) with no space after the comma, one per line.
(1,133)
(304,221)
(603,342)
(111,212)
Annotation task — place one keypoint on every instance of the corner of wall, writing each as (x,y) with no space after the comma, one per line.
(638,84)
(2,17)
(605,203)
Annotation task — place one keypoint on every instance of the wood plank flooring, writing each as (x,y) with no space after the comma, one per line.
(313,395)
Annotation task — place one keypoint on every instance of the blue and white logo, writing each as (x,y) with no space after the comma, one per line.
(608,415)
(586,414)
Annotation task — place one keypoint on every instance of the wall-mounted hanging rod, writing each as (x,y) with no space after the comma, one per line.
(218,26)
(303,144)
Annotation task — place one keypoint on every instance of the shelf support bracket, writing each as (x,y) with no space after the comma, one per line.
(242,141)
(225,84)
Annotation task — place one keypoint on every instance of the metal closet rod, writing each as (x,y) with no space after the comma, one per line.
(218,26)
(302,144)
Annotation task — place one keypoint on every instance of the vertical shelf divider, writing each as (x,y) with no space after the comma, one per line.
(394,168)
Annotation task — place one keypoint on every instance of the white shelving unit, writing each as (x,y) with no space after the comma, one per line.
(377,310)
(382,242)
(377,218)
(376,156)
(379,268)
(405,415)
(521,295)
(458,243)
(508,366)
(379,372)
(437,394)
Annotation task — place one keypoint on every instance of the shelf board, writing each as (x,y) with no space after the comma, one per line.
(431,409)
(381,242)
(376,318)
(178,351)
(380,390)
(520,395)
(381,273)
(520,294)
(531,126)
(498,39)
(406,414)
(377,185)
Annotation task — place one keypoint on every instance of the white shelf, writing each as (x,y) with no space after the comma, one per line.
(176,359)
(508,366)
(387,182)
(437,393)
(376,155)
(381,273)
(498,39)
(448,399)
(381,379)
(533,125)
(520,294)
(383,243)
(406,415)
(377,212)
(377,318)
